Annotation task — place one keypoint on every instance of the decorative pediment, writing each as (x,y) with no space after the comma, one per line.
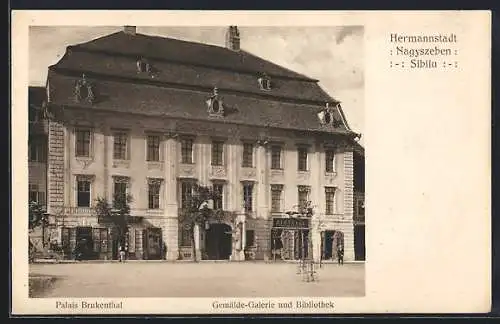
(121,179)
(304,189)
(84,90)
(155,181)
(215,104)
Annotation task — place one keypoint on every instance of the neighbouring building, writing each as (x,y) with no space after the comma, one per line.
(37,155)
(151,116)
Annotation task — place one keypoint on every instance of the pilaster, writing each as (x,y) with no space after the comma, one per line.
(349,205)
(262,185)
(55,161)
(171,230)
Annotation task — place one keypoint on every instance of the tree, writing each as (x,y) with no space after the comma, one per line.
(117,214)
(36,215)
(120,214)
(197,211)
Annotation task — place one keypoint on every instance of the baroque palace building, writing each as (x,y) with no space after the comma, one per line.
(151,116)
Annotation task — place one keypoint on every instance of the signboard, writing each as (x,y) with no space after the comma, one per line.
(292,223)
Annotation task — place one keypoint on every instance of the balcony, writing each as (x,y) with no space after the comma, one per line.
(218,215)
(135,212)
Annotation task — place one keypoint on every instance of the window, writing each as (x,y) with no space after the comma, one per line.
(187,151)
(247,155)
(330,160)
(120,188)
(37,150)
(153,149)
(83,193)
(218,189)
(303,196)
(186,193)
(275,157)
(36,195)
(265,82)
(276,194)
(302,158)
(217,152)
(82,147)
(120,146)
(248,197)
(250,238)
(154,186)
(330,200)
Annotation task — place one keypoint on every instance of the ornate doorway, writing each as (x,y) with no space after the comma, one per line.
(218,242)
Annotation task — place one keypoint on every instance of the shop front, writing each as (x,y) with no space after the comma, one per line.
(290,239)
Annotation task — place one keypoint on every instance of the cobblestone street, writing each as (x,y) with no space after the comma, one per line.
(204,279)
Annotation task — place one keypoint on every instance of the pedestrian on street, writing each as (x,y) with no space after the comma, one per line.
(122,254)
(340,254)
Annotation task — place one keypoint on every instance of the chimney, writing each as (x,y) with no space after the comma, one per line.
(129,30)
(233,38)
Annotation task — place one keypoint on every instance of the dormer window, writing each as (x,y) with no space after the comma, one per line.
(143,65)
(265,82)
(215,104)
(326,116)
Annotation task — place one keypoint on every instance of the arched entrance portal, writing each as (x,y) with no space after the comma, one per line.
(218,242)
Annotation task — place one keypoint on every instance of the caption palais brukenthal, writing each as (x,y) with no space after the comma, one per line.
(131,132)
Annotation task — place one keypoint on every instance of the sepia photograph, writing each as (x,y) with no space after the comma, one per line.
(216,161)
(242,162)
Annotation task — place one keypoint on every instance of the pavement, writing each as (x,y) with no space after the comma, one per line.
(202,279)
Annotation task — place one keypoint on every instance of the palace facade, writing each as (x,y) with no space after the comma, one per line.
(150,116)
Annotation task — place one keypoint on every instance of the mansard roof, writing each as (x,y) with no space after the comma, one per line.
(183,77)
(178,102)
(171,49)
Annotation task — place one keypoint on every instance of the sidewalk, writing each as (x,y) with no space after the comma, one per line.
(55,261)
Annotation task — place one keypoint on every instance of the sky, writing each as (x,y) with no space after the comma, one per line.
(332,55)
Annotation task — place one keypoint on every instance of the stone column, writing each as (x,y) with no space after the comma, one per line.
(171,229)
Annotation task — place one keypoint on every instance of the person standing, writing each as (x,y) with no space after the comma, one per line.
(340,254)
(122,253)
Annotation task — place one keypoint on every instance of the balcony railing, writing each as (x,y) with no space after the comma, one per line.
(90,211)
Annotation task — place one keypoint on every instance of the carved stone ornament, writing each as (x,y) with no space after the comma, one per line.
(84,163)
(85,177)
(155,181)
(249,173)
(121,179)
(186,170)
(218,171)
(215,104)
(84,90)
